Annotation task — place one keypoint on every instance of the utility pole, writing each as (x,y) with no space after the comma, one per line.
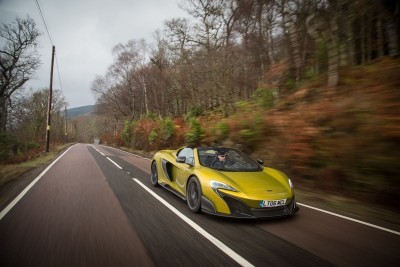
(66,131)
(49,101)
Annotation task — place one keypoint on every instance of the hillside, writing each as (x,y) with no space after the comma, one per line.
(81,111)
(344,141)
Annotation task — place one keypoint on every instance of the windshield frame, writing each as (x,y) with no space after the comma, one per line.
(236,161)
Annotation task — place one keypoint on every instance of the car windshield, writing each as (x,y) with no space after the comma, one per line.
(227,159)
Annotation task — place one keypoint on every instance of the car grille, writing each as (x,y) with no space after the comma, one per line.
(240,209)
(237,207)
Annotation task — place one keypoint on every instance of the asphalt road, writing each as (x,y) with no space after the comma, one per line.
(95,206)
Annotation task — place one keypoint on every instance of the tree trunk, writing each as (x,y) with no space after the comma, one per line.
(380,48)
(295,48)
(143,83)
(392,37)
(3,115)
(333,54)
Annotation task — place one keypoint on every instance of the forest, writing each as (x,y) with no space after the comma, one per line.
(229,49)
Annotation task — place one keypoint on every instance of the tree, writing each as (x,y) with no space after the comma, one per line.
(19,60)
(29,116)
(229,48)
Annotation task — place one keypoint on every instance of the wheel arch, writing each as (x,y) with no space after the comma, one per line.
(190,177)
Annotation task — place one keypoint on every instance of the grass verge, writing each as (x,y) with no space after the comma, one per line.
(12,172)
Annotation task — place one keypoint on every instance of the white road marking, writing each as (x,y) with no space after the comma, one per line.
(98,150)
(114,163)
(236,257)
(22,194)
(350,219)
(138,156)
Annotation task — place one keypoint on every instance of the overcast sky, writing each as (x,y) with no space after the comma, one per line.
(84,33)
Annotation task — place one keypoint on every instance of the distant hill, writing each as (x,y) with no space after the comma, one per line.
(81,111)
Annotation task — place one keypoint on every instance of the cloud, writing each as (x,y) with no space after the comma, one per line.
(84,33)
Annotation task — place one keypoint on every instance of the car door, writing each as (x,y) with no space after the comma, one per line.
(183,170)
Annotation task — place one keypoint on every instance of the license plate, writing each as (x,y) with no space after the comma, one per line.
(272,203)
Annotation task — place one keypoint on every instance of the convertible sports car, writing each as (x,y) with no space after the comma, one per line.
(224,182)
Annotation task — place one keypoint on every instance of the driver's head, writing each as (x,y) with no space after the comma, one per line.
(221,155)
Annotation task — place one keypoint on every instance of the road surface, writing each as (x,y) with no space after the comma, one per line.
(95,206)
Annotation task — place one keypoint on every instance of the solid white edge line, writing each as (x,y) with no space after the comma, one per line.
(22,194)
(236,257)
(138,156)
(114,163)
(350,219)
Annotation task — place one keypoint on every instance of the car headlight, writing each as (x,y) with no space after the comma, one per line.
(218,185)
(290,183)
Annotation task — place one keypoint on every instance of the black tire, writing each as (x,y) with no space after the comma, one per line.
(154,174)
(193,195)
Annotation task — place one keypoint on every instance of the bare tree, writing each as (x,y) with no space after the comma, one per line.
(183,91)
(178,35)
(19,60)
(209,29)
(29,118)
(229,48)
(112,99)
(130,59)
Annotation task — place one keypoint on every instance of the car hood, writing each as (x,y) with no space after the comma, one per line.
(266,181)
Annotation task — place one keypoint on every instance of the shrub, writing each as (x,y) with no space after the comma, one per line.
(141,133)
(150,116)
(127,132)
(194,112)
(167,129)
(153,136)
(248,135)
(8,145)
(251,132)
(195,132)
(242,105)
(264,97)
(31,146)
(223,128)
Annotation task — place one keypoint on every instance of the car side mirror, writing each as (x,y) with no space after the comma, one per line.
(181,159)
(260,161)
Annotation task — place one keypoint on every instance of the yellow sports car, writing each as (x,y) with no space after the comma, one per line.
(224,181)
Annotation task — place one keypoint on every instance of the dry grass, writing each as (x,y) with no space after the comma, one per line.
(10,172)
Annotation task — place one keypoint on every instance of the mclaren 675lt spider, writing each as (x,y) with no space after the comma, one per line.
(224,181)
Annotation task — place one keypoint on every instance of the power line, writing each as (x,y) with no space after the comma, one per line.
(59,76)
(44,21)
(41,13)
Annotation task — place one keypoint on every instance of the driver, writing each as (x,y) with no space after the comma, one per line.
(221,156)
(221,159)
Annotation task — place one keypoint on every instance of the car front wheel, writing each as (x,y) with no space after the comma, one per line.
(193,195)
(154,174)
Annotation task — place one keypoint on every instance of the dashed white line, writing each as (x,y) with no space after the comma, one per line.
(114,163)
(98,150)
